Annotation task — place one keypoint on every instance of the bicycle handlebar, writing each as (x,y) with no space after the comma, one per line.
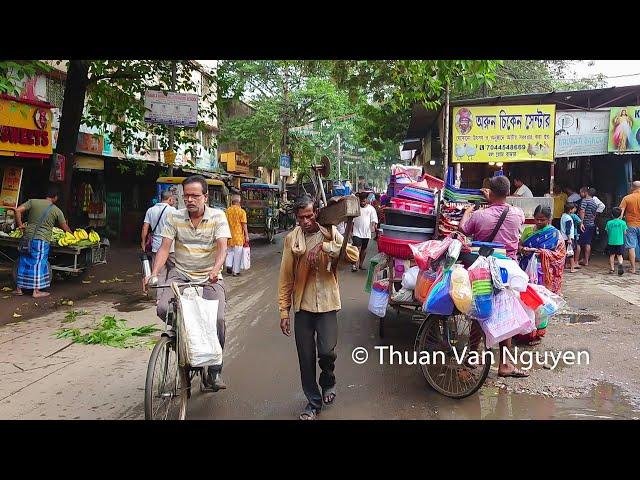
(188,284)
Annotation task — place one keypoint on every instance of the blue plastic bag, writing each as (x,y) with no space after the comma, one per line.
(439,301)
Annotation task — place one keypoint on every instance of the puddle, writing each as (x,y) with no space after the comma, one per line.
(579,317)
(603,402)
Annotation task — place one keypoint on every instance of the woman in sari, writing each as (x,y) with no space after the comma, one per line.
(545,242)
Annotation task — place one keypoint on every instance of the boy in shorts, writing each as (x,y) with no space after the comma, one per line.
(616,228)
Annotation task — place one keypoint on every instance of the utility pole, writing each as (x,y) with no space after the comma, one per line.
(285,126)
(339,158)
(172,129)
(445,150)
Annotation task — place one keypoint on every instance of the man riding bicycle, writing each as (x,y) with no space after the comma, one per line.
(200,235)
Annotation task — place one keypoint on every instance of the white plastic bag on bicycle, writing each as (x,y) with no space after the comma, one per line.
(198,332)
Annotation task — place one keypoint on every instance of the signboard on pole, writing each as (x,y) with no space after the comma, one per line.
(285,165)
(520,133)
(172,108)
(580,133)
(624,130)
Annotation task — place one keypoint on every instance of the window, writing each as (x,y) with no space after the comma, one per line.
(55,92)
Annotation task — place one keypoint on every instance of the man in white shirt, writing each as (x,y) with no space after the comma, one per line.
(600,206)
(154,222)
(521,189)
(362,228)
(572,196)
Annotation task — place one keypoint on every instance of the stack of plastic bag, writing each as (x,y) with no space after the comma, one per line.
(379,298)
(508,318)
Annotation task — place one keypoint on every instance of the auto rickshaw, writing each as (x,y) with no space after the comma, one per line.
(218,192)
(262,203)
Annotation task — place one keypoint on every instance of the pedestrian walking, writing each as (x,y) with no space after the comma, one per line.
(309,285)
(630,206)
(237,218)
(155,220)
(616,229)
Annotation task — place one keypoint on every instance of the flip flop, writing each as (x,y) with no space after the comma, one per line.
(516,373)
(620,270)
(309,413)
(330,394)
(17,294)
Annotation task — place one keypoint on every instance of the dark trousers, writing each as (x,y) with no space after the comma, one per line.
(307,327)
(211,291)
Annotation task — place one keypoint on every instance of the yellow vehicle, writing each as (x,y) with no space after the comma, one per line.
(218,191)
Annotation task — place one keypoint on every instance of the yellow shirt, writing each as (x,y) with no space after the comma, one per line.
(559,202)
(236,216)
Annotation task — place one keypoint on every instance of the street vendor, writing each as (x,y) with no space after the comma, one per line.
(500,223)
(34,272)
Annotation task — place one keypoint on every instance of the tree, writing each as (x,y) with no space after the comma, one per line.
(285,97)
(13,72)
(106,93)
(384,91)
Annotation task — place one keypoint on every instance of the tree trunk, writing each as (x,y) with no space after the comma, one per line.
(73,104)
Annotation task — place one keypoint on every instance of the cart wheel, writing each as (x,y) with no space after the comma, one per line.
(446,336)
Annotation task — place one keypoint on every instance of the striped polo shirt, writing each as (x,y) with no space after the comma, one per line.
(196,248)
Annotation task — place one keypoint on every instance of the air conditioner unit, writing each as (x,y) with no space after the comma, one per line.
(154,143)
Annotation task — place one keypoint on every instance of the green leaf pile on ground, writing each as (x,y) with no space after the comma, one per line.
(112,332)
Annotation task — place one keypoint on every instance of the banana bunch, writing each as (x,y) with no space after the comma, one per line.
(94,237)
(80,234)
(56,234)
(17,233)
(67,239)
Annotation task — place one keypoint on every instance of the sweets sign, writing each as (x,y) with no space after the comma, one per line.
(520,133)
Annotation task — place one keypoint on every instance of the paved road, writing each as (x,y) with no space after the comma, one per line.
(39,380)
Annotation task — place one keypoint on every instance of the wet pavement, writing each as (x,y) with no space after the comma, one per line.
(261,369)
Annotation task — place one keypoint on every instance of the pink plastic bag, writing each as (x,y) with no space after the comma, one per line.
(508,318)
(424,253)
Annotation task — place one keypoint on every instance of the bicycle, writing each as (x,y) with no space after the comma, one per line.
(168,385)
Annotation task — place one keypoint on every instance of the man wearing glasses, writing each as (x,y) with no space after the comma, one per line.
(200,235)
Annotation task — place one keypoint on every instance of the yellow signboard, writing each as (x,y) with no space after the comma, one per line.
(24,128)
(83,162)
(11,181)
(169,157)
(519,133)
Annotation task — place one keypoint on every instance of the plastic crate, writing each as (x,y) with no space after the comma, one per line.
(396,248)
(411,205)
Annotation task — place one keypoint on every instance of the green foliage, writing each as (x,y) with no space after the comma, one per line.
(111,332)
(72,315)
(116,98)
(13,72)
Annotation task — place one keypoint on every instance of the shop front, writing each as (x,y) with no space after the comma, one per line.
(25,151)
(512,140)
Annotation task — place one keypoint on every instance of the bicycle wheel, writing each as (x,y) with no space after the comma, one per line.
(452,342)
(165,387)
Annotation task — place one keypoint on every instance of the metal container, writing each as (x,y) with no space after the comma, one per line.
(407,233)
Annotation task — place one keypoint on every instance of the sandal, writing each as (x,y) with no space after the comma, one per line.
(611,271)
(329,395)
(516,372)
(309,413)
